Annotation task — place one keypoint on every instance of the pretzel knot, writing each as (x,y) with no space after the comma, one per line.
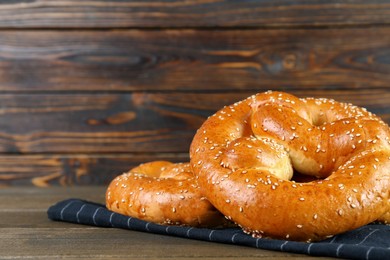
(162,192)
(244,157)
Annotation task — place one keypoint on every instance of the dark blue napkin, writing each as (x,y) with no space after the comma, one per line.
(368,242)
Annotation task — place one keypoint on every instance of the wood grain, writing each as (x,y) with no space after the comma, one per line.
(72,169)
(88,139)
(194,60)
(202,13)
(89,89)
(94,124)
(27,233)
(64,242)
(33,199)
(128,123)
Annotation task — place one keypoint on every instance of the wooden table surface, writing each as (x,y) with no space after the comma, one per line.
(26,232)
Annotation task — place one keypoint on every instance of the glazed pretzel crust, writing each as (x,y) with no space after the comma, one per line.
(162,192)
(344,145)
(244,157)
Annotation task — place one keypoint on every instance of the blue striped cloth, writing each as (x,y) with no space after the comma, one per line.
(368,242)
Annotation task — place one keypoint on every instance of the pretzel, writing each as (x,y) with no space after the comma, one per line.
(164,193)
(244,154)
(385,219)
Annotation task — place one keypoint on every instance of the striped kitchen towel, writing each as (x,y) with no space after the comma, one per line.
(368,242)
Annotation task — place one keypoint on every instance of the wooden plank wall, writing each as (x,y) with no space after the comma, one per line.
(89,89)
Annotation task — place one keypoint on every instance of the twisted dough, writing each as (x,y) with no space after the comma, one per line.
(244,157)
(241,157)
(164,193)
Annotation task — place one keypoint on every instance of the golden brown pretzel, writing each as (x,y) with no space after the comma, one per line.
(164,193)
(344,144)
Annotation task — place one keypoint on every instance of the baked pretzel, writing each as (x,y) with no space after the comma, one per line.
(164,193)
(244,154)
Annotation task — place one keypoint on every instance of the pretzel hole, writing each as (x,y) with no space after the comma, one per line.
(302,178)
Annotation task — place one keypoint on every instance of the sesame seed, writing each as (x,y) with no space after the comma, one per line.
(299,226)
(241,209)
(301,199)
(315,216)
(173,210)
(353,205)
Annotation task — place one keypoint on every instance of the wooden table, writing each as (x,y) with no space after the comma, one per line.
(26,232)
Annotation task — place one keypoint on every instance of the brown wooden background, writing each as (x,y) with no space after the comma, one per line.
(89,89)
